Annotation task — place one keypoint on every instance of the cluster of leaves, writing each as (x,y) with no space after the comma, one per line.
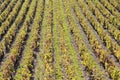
(111,8)
(114,3)
(63,47)
(26,64)
(58,59)
(87,60)
(5,13)
(45,57)
(8,38)
(106,13)
(6,24)
(7,68)
(109,43)
(36,33)
(97,46)
(3,5)
(105,22)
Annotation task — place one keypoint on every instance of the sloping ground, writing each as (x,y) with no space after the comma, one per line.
(59,40)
